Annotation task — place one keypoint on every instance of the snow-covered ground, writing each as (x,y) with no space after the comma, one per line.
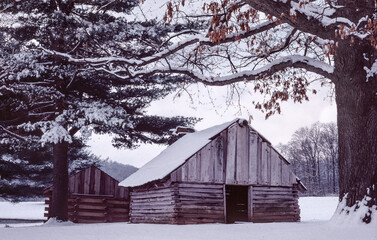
(315,225)
(22,210)
(317,208)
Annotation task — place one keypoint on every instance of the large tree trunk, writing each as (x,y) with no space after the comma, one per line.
(357,122)
(59,205)
(333,175)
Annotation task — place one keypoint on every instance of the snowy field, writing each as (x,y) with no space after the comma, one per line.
(23,210)
(315,225)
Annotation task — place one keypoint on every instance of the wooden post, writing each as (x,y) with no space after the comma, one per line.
(225,171)
(250,203)
(224,194)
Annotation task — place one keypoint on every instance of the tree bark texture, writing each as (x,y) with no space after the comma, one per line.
(59,205)
(333,174)
(356,100)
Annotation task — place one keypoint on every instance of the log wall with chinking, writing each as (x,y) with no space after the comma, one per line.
(94,208)
(155,205)
(236,156)
(180,203)
(274,204)
(199,203)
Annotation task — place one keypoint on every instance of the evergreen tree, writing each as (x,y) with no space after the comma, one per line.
(46,99)
(26,169)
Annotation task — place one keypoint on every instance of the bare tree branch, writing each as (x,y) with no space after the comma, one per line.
(294,61)
(307,19)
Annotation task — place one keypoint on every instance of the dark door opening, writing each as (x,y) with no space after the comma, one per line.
(236,203)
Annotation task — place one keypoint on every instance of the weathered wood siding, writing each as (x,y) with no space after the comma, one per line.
(205,166)
(180,203)
(238,156)
(94,197)
(194,203)
(199,203)
(93,208)
(153,205)
(274,204)
(94,181)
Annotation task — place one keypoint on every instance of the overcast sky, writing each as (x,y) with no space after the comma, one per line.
(277,129)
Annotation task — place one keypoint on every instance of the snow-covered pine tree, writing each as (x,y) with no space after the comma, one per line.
(24,171)
(48,99)
(26,168)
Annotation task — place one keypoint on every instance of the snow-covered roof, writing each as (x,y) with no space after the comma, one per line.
(174,156)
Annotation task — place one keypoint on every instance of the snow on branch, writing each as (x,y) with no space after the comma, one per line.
(294,61)
(12,133)
(100,112)
(99,60)
(189,41)
(322,14)
(372,71)
(309,17)
(55,133)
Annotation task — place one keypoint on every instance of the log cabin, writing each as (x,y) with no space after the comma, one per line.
(222,174)
(93,197)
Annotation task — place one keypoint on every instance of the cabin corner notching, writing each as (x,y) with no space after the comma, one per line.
(226,173)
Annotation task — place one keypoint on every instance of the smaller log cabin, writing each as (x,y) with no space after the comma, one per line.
(94,197)
(223,174)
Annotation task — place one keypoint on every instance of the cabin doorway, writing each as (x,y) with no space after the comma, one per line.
(236,203)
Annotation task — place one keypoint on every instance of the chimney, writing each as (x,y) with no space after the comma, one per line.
(178,132)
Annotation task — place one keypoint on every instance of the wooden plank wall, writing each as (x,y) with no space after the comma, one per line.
(180,203)
(94,197)
(242,155)
(237,156)
(93,208)
(153,205)
(231,146)
(94,181)
(199,203)
(274,204)
(205,166)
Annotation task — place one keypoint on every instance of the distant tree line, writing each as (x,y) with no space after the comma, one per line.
(313,153)
(117,170)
